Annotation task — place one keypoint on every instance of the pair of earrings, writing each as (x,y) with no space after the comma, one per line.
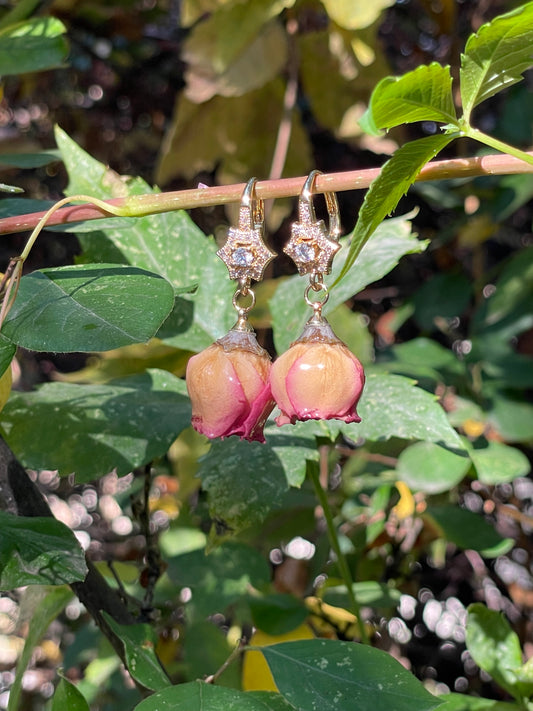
(233,385)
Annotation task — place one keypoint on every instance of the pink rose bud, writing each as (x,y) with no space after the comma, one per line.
(318,378)
(229,387)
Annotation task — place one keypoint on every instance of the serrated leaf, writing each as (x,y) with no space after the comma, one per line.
(220,578)
(392,240)
(496,56)
(493,645)
(139,646)
(425,94)
(392,406)
(168,244)
(199,696)
(96,307)
(93,429)
(427,467)
(246,480)
(327,674)
(49,602)
(68,696)
(32,46)
(468,530)
(38,551)
(392,183)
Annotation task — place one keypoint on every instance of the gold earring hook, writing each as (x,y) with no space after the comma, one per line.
(245,253)
(311,246)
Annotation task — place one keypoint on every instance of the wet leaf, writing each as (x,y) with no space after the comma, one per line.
(38,551)
(93,429)
(95,307)
(344,676)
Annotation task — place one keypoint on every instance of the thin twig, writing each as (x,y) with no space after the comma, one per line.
(237,651)
(344,569)
(289,102)
(152,203)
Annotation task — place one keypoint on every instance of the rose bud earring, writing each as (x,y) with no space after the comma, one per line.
(229,383)
(318,378)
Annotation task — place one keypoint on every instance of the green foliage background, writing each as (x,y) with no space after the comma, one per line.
(427,502)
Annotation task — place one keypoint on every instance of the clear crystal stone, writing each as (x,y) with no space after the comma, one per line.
(305,252)
(242,257)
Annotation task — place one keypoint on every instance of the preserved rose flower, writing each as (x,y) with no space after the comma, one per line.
(229,387)
(318,378)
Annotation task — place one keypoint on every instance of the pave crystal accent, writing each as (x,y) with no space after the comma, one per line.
(245,254)
(242,257)
(305,252)
(310,247)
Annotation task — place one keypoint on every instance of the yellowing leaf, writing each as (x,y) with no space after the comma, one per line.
(328,619)
(259,62)
(5,386)
(256,674)
(237,133)
(355,14)
(405,507)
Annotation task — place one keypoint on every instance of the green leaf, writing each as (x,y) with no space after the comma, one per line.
(511,417)
(423,358)
(50,603)
(328,674)
(246,480)
(199,696)
(444,296)
(32,46)
(468,530)
(30,160)
(493,645)
(95,307)
(427,467)
(391,406)
(459,702)
(395,178)
(139,646)
(68,696)
(205,649)
(391,241)
(278,613)
(508,310)
(497,463)
(93,429)
(7,352)
(10,188)
(220,578)
(38,551)
(496,56)
(425,94)
(368,593)
(168,244)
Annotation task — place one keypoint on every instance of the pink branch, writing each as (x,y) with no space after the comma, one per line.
(141,205)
